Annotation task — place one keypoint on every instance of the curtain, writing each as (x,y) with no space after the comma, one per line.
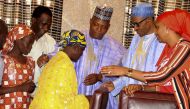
(19,11)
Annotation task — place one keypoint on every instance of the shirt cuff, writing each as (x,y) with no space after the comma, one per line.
(119,84)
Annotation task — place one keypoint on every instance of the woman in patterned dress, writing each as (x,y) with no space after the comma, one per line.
(18,69)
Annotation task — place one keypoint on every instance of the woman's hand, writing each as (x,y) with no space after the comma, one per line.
(132,88)
(114,70)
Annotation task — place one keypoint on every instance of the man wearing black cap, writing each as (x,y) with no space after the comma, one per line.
(101,50)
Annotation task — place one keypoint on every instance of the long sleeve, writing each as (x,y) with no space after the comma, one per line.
(106,79)
(179,56)
(119,84)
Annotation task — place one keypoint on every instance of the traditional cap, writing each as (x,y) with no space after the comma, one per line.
(72,37)
(103,13)
(143,10)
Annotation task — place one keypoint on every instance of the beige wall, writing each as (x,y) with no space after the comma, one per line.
(76,15)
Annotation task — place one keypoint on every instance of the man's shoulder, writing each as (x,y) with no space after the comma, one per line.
(47,38)
(136,37)
(111,39)
(114,44)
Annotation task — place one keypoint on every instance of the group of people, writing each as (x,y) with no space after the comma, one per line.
(37,73)
(18,62)
(172,71)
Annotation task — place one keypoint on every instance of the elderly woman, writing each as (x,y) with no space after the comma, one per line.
(58,82)
(172,29)
(18,69)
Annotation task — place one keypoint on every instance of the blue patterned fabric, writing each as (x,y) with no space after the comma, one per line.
(108,52)
(152,47)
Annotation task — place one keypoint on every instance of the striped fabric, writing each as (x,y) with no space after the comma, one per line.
(177,70)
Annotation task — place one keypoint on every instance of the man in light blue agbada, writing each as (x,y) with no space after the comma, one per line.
(101,50)
(144,50)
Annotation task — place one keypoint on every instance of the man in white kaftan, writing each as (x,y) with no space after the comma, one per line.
(44,44)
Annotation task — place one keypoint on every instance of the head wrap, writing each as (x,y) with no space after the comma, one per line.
(16,33)
(143,10)
(103,13)
(72,37)
(177,20)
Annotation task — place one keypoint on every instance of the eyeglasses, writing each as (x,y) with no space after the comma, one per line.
(137,24)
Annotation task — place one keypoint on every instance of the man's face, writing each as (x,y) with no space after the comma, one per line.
(98,28)
(140,25)
(41,25)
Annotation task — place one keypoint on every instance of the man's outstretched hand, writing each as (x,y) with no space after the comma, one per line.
(92,79)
